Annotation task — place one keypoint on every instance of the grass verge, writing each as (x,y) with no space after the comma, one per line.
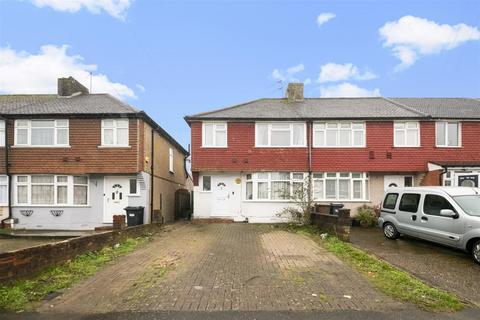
(393,282)
(18,295)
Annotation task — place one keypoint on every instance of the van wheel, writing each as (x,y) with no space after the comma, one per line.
(390,231)
(476,251)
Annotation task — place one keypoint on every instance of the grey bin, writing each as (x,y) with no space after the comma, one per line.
(134,216)
(334,207)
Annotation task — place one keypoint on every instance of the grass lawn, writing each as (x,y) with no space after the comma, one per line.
(393,282)
(19,294)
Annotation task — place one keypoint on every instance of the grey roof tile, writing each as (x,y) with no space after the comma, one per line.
(452,108)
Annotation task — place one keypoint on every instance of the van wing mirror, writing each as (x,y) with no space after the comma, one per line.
(448,213)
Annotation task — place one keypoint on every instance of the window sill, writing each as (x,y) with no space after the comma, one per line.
(339,147)
(448,147)
(50,206)
(39,147)
(214,147)
(202,191)
(279,147)
(406,147)
(114,147)
(316,201)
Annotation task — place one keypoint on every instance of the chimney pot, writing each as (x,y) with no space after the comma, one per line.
(69,86)
(295,92)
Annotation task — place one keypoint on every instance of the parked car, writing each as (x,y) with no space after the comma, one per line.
(446,215)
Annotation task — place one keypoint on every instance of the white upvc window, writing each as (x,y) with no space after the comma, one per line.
(340,186)
(170,160)
(115,132)
(2,133)
(406,134)
(280,134)
(51,190)
(3,190)
(448,134)
(276,186)
(42,133)
(339,134)
(214,134)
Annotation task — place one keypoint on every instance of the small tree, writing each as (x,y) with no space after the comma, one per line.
(301,196)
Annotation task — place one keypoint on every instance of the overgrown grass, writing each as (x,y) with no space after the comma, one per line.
(19,295)
(395,283)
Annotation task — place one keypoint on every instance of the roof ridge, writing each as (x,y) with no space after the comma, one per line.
(225,108)
(407,107)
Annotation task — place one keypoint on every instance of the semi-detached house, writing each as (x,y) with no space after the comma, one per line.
(72,160)
(247,159)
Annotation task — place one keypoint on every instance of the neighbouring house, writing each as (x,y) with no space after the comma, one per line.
(72,160)
(246,159)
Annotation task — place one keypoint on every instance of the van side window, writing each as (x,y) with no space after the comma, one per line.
(390,201)
(433,204)
(409,202)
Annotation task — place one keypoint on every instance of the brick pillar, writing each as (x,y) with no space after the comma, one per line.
(119,222)
(432,178)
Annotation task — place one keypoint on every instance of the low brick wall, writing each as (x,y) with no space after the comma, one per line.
(338,225)
(26,262)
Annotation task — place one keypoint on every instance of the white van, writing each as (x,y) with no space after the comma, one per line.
(445,215)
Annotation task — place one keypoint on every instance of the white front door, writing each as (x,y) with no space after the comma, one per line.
(226,196)
(397,181)
(116,191)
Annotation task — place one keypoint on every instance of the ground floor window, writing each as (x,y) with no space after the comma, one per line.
(3,190)
(458,177)
(51,190)
(338,186)
(273,185)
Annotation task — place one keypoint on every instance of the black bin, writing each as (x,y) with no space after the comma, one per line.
(134,216)
(334,207)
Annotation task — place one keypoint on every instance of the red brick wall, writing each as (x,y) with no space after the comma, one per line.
(432,178)
(241,154)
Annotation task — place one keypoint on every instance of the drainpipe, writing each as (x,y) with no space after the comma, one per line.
(445,169)
(309,141)
(152,182)
(7,172)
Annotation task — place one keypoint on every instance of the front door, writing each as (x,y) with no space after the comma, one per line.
(467,180)
(397,181)
(226,196)
(116,190)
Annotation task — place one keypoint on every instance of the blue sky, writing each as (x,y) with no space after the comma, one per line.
(173,58)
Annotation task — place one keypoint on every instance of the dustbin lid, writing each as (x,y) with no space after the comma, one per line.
(336,204)
(134,208)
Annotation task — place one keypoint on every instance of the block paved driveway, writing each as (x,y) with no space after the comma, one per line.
(212,267)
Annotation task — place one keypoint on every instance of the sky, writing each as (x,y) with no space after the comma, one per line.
(176,58)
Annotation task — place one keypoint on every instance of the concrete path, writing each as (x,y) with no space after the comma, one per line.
(224,267)
(442,267)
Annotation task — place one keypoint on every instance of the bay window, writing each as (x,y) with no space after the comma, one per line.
(280,134)
(42,133)
(273,185)
(53,190)
(340,186)
(338,134)
(115,132)
(406,134)
(214,134)
(448,134)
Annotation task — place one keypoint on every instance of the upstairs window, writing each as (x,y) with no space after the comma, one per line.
(339,134)
(407,134)
(115,132)
(280,134)
(214,134)
(2,133)
(170,160)
(448,134)
(42,133)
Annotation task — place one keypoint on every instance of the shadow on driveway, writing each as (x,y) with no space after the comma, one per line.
(442,267)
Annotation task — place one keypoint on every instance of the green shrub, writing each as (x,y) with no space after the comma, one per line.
(366,216)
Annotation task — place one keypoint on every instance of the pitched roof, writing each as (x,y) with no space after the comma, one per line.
(53,104)
(347,108)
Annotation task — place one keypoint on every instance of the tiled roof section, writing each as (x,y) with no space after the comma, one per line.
(452,108)
(321,108)
(53,104)
(349,108)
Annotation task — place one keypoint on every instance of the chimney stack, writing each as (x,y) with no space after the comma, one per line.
(294,92)
(69,86)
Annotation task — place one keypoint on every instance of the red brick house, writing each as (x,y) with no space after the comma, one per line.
(246,159)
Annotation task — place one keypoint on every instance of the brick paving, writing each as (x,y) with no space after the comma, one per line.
(214,267)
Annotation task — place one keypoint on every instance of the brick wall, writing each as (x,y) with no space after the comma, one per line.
(29,261)
(337,225)
(432,178)
(241,154)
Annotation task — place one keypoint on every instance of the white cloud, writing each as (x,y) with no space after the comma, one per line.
(324,17)
(23,72)
(412,37)
(346,89)
(140,87)
(115,8)
(332,72)
(288,75)
(296,69)
(307,81)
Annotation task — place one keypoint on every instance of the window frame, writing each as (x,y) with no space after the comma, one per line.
(290,130)
(418,203)
(2,132)
(115,128)
(352,177)
(214,138)
(4,184)
(203,186)
(437,215)
(405,129)
(338,129)
(70,190)
(459,134)
(56,127)
(137,189)
(385,199)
